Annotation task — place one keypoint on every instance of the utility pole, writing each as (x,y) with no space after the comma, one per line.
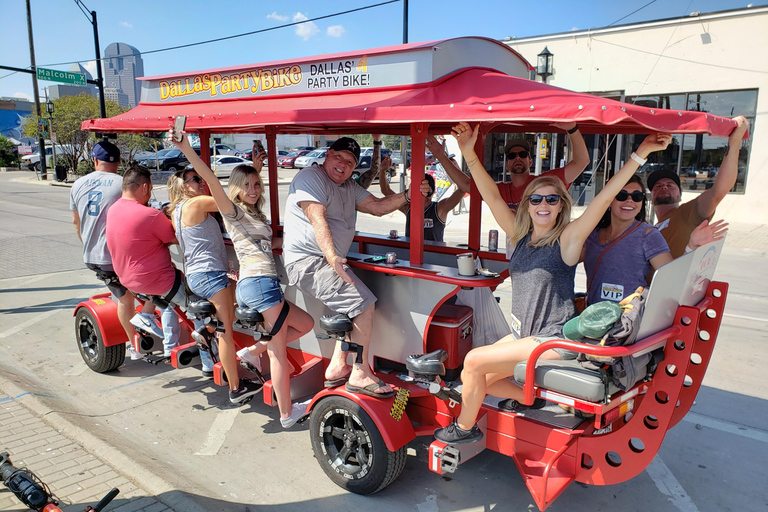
(41,140)
(99,71)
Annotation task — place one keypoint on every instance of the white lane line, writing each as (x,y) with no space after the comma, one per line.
(743,317)
(31,321)
(724,426)
(218,432)
(667,483)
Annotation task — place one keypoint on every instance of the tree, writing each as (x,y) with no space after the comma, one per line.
(76,145)
(7,152)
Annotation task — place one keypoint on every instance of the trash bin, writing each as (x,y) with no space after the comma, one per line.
(61,173)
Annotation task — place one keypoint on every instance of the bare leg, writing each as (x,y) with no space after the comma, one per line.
(362,375)
(126,308)
(224,301)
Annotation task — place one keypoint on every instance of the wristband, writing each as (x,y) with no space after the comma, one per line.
(573,130)
(377,143)
(637,158)
(405,195)
(688,249)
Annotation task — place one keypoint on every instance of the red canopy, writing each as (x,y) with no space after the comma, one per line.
(474,95)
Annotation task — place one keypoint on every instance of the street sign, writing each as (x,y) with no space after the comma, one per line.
(25,150)
(53,138)
(67,77)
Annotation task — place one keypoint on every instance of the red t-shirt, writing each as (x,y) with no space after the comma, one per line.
(136,237)
(513,195)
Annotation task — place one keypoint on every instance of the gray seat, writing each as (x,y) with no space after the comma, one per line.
(569,378)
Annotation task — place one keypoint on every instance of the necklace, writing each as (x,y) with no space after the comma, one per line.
(617,235)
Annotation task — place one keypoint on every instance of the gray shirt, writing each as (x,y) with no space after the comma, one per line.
(91,196)
(313,184)
(542,290)
(203,244)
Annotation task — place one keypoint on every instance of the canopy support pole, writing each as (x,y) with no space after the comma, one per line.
(205,145)
(418,139)
(274,200)
(476,202)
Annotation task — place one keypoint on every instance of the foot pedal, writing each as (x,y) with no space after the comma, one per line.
(450,395)
(151,358)
(443,458)
(252,369)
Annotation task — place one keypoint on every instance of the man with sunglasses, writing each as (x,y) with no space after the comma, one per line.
(518,164)
(675,221)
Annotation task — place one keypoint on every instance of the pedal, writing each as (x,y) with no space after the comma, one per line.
(153,359)
(450,458)
(450,395)
(252,369)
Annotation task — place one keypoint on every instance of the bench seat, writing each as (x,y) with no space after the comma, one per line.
(569,378)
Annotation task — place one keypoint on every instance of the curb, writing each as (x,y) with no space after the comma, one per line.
(161,490)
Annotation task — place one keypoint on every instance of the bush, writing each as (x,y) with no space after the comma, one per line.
(85,167)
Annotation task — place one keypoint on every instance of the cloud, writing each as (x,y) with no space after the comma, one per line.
(574,29)
(305,30)
(335,31)
(23,96)
(91,67)
(277,17)
(125,24)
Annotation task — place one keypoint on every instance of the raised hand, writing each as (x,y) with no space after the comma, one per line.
(742,125)
(707,232)
(434,146)
(654,142)
(466,137)
(563,126)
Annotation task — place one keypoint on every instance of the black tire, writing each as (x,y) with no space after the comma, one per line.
(172,168)
(350,449)
(38,167)
(99,358)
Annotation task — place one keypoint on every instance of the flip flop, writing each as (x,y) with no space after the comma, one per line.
(370,390)
(334,383)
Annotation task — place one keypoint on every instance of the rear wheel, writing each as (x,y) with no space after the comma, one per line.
(98,357)
(350,449)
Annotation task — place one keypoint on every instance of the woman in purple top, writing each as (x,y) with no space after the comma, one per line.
(630,247)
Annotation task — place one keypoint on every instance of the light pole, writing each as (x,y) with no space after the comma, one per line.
(49,107)
(543,69)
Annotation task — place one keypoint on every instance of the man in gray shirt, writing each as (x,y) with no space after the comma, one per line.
(319,228)
(90,199)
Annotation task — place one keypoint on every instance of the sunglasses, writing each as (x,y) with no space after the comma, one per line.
(196,179)
(552,199)
(637,196)
(514,154)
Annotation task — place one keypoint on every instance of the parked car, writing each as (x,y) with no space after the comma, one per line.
(223,165)
(223,149)
(304,148)
(314,157)
(32,162)
(365,164)
(170,159)
(288,160)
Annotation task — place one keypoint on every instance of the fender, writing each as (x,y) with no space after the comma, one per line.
(104,310)
(396,434)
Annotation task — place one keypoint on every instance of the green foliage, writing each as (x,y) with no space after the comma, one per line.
(8,156)
(85,167)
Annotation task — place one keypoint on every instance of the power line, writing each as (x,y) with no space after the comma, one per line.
(234,36)
(633,12)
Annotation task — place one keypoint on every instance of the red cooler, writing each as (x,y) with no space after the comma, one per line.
(451,329)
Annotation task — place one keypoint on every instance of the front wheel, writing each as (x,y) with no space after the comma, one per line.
(350,449)
(98,357)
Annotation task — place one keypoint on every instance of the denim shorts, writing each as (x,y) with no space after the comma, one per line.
(207,284)
(259,293)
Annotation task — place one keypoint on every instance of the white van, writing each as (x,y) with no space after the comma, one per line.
(32,161)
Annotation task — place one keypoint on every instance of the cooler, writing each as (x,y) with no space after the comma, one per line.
(451,330)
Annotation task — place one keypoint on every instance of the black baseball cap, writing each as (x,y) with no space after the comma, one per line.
(106,152)
(347,144)
(661,174)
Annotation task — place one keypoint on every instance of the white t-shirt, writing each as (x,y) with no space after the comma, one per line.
(91,196)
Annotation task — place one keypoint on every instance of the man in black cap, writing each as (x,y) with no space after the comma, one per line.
(90,199)
(676,221)
(518,164)
(318,232)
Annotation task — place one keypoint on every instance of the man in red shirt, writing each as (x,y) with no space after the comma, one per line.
(519,161)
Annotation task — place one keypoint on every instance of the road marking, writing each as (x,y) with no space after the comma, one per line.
(724,426)
(743,317)
(218,432)
(667,483)
(31,321)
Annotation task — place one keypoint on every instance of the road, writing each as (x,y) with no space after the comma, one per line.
(181,427)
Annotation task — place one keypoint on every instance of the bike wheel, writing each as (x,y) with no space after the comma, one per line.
(99,358)
(347,444)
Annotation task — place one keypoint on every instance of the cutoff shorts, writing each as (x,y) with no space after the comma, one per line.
(259,293)
(316,277)
(564,353)
(207,284)
(117,289)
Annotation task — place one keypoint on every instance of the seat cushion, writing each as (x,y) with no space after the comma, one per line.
(201,307)
(248,315)
(569,378)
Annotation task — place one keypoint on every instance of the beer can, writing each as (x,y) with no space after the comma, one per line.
(493,240)
(391,258)
(392,233)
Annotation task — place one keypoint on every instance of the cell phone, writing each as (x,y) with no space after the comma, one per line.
(259,147)
(178,126)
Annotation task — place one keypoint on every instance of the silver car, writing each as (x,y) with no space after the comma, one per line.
(315,157)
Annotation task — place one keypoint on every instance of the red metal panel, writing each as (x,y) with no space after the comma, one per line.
(104,311)
(418,137)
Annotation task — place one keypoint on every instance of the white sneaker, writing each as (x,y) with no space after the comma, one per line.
(146,323)
(298,411)
(135,356)
(245,355)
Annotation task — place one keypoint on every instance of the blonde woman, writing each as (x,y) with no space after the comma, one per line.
(258,286)
(547,248)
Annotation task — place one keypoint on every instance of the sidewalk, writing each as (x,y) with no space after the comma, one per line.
(71,461)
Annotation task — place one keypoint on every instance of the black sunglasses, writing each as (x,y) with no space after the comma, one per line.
(637,196)
(196,179)
(552,199)
(514,154)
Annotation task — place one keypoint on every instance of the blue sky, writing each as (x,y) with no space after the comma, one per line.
(63,34)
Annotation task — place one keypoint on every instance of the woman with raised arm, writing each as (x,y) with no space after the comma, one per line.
(258,286)
(547,247)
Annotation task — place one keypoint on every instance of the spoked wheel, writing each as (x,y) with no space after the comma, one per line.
(350,449)
(98,357)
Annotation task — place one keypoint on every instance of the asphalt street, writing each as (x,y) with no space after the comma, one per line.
(180,426)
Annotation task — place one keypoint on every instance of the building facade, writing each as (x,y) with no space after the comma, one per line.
(122,65)
(715,62)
